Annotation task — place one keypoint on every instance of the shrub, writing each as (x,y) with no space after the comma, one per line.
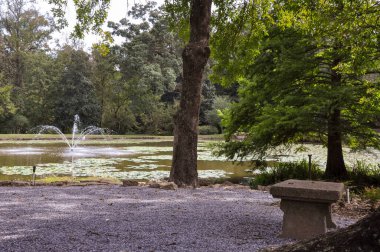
(364,175)
(286,170)
(207,130)
(372,193)
(17,124)
(360,175)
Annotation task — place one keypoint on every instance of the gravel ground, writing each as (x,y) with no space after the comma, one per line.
(113,218)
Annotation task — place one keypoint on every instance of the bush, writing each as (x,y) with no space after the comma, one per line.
(207,130)
(364,175)
(286,170)
(372,193)
(17,124)
(360,175)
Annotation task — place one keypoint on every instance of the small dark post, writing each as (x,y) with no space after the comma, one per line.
(34,175)
(309,166)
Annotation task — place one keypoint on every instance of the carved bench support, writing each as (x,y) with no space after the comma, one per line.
(306,206)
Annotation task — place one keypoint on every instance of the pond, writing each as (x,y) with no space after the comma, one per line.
(138,159)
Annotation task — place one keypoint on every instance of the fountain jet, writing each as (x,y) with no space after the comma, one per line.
(77,135)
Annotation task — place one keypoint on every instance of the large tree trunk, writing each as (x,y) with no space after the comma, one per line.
(195,57)
(335,167)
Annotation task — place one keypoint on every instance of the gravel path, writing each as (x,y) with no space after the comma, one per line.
(113,218)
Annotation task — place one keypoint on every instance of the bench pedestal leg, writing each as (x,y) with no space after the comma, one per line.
(329,221)
(304,219)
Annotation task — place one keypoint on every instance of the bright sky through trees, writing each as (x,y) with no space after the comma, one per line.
(117,11)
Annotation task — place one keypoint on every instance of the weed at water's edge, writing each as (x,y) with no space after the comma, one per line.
(285,170)
(363,175)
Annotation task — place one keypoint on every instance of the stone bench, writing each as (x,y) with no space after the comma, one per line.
(307,206)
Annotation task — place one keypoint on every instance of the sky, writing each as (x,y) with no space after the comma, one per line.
(118,10)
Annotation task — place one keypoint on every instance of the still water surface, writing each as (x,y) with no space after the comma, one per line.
(141,159)
(123,159)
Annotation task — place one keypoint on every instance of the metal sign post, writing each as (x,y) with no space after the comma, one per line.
(34,175)
(309,166)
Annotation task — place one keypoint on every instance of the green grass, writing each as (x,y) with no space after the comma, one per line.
(372,194)
(363,178)
(285,170)
(363,175)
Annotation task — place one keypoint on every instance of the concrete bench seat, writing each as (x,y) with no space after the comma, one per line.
(307,206)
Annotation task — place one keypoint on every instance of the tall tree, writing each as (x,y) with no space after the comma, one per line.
(75,93)
(149,63)
(24,34)
(7,108)
(42,73)
(195,57)
(313,72)
(104,74)
(24,31)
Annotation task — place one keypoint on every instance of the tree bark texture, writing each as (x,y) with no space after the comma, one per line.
(195,57)
(335,167)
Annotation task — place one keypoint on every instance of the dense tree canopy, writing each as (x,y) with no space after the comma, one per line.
(24,31)
(150,63)
(135,88)
(311,71)
(305,70)
(75,93)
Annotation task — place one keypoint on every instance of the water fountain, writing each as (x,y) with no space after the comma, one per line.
(120,158)
(77,135)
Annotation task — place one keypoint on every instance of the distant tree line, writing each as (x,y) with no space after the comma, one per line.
(135,88)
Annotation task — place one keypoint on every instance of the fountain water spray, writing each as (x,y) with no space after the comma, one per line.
(77,135)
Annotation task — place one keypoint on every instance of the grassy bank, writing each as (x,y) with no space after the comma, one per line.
(363,179)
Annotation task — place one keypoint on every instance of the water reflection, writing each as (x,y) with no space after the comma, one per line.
(146,159)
